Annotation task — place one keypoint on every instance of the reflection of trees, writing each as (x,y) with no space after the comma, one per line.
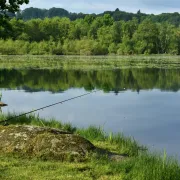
(114,80)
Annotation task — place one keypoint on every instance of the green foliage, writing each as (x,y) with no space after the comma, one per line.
(126,47)
(166,37)
(141,166)
(10,6)
(117,15)
(89,36)
(146,38)
(113,48)
(35,120)
(104,36)
(7,10)
(154,166)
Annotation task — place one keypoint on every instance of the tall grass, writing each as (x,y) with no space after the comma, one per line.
(117,142)
(154,167)
(35,120)
(140,165)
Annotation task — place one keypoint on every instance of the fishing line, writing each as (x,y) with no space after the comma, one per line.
(60,102)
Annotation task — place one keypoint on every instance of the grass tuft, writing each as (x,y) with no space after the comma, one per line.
(141,165)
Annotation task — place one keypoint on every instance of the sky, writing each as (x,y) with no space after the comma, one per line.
(99,6)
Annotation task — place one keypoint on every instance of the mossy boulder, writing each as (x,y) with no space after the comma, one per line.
(43,142)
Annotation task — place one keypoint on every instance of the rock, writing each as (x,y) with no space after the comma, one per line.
(48,143)
(2,104)
(43,142)
(111,155)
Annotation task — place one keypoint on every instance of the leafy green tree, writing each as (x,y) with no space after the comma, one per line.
(7,8)
(5,28)
(146,38)
(166,33)
(75,31)
(113,48)
(105,20)
(64,27)
(99,49)
(126,47)
(174,47)
(96,24)
(116,32)
(50,28)
(85,46)
(18,27)
(33,30)
(129,28)
(11,6)
(89,19)
(69,47)
(104,35)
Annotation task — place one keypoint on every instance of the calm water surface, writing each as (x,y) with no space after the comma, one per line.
(143,103)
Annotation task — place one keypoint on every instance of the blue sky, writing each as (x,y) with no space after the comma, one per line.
(98,6)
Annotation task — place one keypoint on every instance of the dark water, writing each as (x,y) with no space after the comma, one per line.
(143,103)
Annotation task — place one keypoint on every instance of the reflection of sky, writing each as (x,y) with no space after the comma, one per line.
(151,117)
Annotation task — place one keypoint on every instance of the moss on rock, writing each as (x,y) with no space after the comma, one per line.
(46,143)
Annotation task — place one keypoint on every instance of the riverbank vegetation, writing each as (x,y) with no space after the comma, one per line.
(89,62)
(140,163)
(88,36)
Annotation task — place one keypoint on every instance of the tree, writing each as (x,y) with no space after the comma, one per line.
(11,6)
(7,8)
(18,27)
(105,36)
(146,38)
(33,30)
(117,32)
(166,33)
(130,27)
(126,47)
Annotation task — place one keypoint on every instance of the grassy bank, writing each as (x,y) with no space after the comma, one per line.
(140,165)
(89,62)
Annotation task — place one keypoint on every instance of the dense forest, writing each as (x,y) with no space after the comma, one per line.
(117,15)
(101,34)
(34,13)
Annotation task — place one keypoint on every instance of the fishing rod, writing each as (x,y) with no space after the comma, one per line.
(60,102)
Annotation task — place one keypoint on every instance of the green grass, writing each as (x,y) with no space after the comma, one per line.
(89,62)
(140,165)
(116,143)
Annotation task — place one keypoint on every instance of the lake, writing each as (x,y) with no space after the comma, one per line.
(143,103)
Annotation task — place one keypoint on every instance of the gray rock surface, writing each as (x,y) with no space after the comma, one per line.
(43,142)
(48,143)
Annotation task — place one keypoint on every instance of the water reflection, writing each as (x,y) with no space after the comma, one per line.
(147,109)
(116,81)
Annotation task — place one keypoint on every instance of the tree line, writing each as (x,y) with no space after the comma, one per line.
(117,15)
(34,13)
(89,36)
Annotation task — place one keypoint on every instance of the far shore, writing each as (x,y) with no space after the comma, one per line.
(88,62)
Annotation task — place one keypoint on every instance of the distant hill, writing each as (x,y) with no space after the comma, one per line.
(32,13)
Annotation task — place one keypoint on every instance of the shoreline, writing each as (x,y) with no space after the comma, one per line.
(87,63)
(141,164)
